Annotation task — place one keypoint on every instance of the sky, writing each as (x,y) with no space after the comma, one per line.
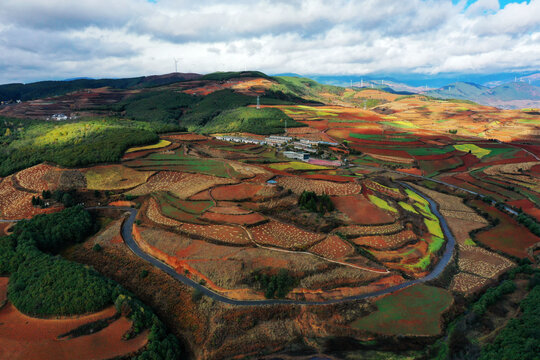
(60,39)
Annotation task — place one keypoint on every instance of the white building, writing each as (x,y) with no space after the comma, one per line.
(59,117)
(276,140)
(296,155)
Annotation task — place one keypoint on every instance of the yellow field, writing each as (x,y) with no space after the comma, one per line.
(474,149)
(159,145)
(297,165)
(114,177)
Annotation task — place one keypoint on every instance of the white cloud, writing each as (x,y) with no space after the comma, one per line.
(49,39)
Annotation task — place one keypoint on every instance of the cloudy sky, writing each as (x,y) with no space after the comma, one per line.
(59,39)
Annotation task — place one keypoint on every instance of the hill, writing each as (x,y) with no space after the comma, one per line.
(37,90)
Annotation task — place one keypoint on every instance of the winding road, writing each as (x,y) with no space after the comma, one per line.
(127,234)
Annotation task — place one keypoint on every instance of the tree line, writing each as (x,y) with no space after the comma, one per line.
(44,284)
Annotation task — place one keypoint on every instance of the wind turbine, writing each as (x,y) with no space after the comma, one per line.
(176,64)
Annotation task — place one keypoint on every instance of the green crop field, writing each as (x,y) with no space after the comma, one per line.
(415,310)
(383,204)
(177,161)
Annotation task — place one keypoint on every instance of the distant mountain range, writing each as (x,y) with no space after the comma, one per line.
(507,91)
(512,95)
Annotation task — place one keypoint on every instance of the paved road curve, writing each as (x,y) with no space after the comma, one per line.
(127,234)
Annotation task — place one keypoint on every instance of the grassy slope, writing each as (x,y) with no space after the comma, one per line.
(73,143)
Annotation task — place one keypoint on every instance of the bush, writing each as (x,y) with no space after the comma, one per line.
(276,286)
(492,295)
(310,201)
(520,338)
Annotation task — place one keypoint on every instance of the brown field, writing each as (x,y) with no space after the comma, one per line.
(222,233)
(182,185)
(240,219)
(110,235)
(229,209)
(39,178)
(299,185)
(481,262)
(285,236)
(462,228)
(23,337)
(16,204)
(244,191)
(358,230)
(381,242)
(186,137)
(333,248)
(468,283)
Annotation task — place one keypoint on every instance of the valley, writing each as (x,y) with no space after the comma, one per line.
(401,213)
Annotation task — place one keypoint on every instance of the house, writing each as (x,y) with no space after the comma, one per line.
(239,139)
(296,155)
(276,140)
(59,117)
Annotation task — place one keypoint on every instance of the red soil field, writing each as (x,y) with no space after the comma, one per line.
(535,149)
(509,236)
(527,206)
(237,192)
(229,209)
(333,247)
(382,151)
(203,195)
(361,211)
(3,289)
(412,171)
(432,166)
(243,219)
(468,161)
(535,169)
(285,236)
(23,337)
